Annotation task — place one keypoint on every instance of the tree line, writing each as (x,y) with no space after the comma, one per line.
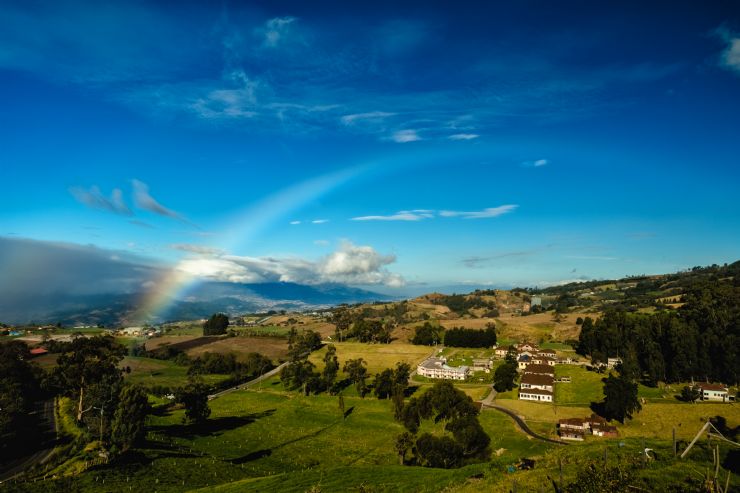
(473,338)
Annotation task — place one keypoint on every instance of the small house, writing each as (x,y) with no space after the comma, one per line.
(713,392)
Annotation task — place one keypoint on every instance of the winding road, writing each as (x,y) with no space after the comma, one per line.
(248,384)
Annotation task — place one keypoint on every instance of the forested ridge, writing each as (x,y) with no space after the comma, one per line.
(699,340)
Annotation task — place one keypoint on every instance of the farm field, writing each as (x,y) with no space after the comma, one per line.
(275,348)
(150,372)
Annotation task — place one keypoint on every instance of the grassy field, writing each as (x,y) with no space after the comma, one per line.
(377,356)
(585,386)
(149,372)
(275,348)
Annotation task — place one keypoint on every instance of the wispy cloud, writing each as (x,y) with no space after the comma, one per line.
(144,200)
(730,57)
(294,223)
(275,31)
(415,215)
(463,136)
(476,262)
(197,249)
(404,136)
(482,214)
(538,163)
(319,221)
(590,257)
(372,116)
(141,224)
(94,199)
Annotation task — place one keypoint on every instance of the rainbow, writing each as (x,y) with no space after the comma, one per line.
(243,227)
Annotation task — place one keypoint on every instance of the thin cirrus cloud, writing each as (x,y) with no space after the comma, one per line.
(482,214)
(463,136)
(319,221)
(421,214)
(95,199)
(405,136)
(371,116)
(415,215)
(276,31)
(538,163)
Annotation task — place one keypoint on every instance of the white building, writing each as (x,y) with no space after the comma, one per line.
(437,368)
(532,394)
(713,392)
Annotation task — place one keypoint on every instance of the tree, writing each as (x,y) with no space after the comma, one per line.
(331,366)
(435,451)
(19,387)
(342,319)
(620,398)
(194,396)
(504,376)
(127,428)
(357,373)
(690,393)
(468,432)
(86,362)
(427,335)
(301,344)
(216,325)
(383,384)
(404,442)
(299,374)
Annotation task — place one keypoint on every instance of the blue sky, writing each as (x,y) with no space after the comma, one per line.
(393,145)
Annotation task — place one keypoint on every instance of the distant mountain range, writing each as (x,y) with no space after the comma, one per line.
(198,302)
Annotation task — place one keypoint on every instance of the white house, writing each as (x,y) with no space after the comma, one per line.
(713,392)
(537,381)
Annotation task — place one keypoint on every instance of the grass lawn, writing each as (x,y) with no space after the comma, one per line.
(585,386)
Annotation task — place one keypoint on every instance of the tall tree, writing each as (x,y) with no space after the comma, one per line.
(194,396)
(127,428)
(331,366)
(357,373)
(86,362)
(620,398)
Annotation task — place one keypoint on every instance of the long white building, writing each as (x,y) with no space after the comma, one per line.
(437,368)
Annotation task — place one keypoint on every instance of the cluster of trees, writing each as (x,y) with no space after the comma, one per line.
(700,340)
(461,304)
(253,364)
(392,383)
(462,337)
(20,387)
(216,325)
(372,331)
(300,373)
(506,373)
(360,326)
(427,334)
(88,372)
(465,442)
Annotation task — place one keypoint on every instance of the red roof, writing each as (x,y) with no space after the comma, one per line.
(38,350)
(713,386)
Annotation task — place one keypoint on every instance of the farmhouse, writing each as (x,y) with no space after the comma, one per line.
(713,392)
(532,394)
(604,430)
(549,353)
(535,381)
(612,362)
(437,368)
(577,428)
(543,360)
(482,364)
(573,424)
(501,351)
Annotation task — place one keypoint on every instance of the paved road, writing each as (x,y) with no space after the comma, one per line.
(47,419)
(487,403)
(248,384)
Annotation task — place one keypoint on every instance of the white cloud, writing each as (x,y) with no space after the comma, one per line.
(536,163)
(404,136)
(485,213)
(276,30)
(350,264)
(730,58)
(295,222)
(319,221)
(372,116)
(415,215)
(94,199)
(463,136)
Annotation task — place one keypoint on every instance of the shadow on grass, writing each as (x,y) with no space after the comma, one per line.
(211,427)
(259,454)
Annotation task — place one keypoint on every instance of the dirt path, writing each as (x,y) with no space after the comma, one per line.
(248,384)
